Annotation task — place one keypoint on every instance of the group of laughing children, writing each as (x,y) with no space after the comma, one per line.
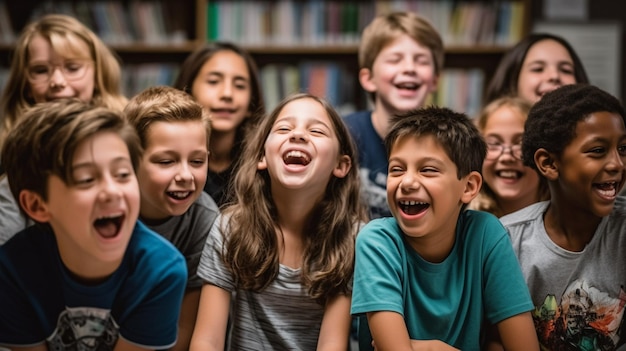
(187,218)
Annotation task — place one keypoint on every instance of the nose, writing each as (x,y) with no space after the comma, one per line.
(616,162)
(408,65)
(554,75)
(409,182)
(110,189)
(184,173)
(57,79)
(227,90)
(298,135)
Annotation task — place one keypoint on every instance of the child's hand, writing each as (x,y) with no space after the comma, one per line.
(427,345)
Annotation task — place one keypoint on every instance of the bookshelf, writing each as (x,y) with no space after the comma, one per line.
(289,39)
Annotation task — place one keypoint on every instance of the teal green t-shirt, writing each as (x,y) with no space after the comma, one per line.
(449,301)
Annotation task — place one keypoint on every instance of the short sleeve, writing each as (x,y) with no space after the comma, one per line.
(378,269)
(211,268)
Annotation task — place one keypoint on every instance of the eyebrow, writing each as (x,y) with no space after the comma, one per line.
(90,164)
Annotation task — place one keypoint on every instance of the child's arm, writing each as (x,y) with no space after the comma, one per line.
(335,329)
(210,330)
(518,333)
(187,320)
(389,333)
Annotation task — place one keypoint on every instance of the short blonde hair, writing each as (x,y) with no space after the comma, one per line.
(385,28)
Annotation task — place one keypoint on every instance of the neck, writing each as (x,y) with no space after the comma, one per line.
(568,228)
(510,206)
(380,120)
(221,146)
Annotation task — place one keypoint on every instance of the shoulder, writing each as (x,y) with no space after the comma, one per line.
(358,119)
(148,248)
(526,215)
(480,224)
(380,230)
(205,206)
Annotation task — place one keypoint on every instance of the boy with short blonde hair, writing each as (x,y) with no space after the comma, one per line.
(400,59)
(174,132)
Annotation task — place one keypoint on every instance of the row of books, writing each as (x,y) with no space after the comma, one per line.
(315,22)
(115,22)
(458,89)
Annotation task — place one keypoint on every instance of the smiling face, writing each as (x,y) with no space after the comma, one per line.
(591,168)
(60,84)
(173,169)
(93,219)
(424,194)
(302,150)
(514,185)
(223,85)
(402,76)
(547,66)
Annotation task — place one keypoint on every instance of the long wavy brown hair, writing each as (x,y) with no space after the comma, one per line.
(251,247)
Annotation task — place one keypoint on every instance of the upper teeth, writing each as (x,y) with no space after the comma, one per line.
(296,153)
(411,203)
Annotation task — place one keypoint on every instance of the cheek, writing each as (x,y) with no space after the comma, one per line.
(37,92)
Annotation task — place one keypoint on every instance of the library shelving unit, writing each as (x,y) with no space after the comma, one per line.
(298,45)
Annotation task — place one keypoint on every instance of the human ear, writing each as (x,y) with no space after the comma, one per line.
(34,206)
(546,164)
(343,166)
(472,186)
(365,78)
(262,164)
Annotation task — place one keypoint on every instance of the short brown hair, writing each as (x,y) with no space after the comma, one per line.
(385,28)
(45,139)
(164,104)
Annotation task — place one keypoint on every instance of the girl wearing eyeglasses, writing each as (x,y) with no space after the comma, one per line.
(59,57)
(508,185)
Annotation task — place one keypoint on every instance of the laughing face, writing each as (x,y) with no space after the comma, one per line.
(424,194)
(302,150)
(591,168)
(403,75)
(223,86)
(93,218)
(547,66)
(514,185)
(173,169)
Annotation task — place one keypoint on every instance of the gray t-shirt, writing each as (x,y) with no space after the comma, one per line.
(579,296)
(12,220)
(281,317)
(188,232)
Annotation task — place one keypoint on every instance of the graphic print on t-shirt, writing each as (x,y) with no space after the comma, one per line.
(586,319)
(84,328)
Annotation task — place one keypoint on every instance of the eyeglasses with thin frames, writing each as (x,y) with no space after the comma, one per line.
(495,150)
(71,69)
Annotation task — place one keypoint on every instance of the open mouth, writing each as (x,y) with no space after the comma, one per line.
(109,227)
(295,157)
(413,207)
(407,86)
(607,189)
(509,174)
(179,195)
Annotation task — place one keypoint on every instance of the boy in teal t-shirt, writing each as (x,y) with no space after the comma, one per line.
(434,273)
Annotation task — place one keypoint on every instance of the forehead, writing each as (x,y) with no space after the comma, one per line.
(546,49)
(304,109)
(505,116)
(101,147)
(226,61)
(171,131)
(600,124)
(57,46)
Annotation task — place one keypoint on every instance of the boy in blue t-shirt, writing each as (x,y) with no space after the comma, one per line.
(88,275)
(432,275)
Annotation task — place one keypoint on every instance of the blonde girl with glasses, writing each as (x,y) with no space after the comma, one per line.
(508,185)
(59,57)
